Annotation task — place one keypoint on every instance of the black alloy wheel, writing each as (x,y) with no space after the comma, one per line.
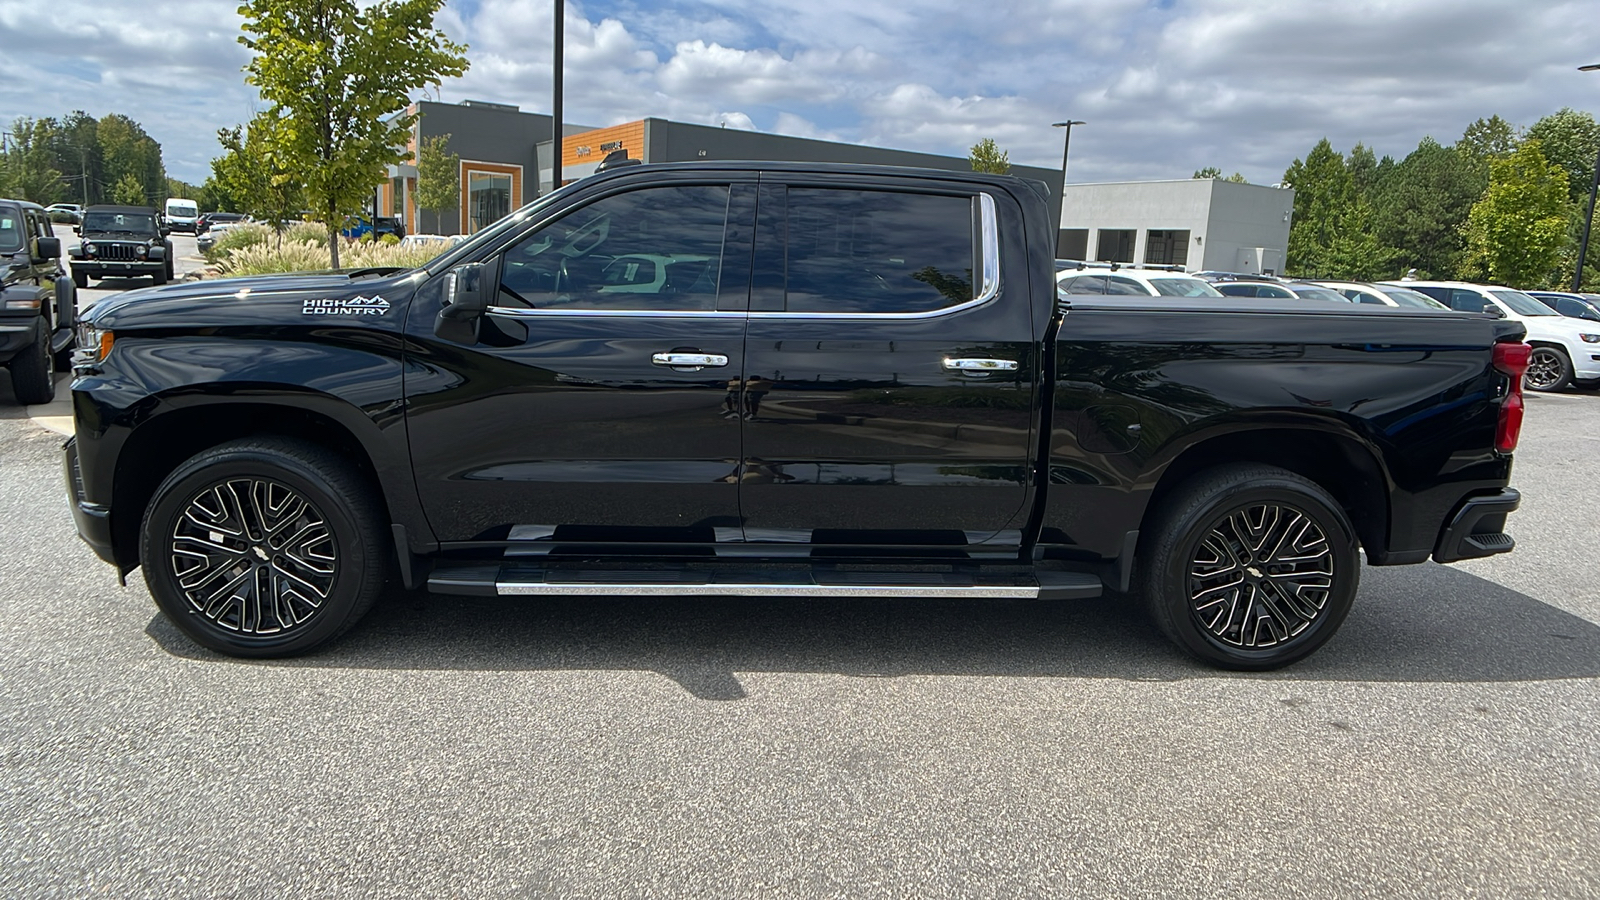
(264,548)
(1249,567)
(1548,370)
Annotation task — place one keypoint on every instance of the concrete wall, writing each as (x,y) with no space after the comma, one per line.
(1228,223)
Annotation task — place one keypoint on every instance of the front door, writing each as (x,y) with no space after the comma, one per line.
(592,410)
(890,376)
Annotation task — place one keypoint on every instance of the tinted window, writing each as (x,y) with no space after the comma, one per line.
(1522,304)
(854,251)
(1316,293)
(652,249)
(1084,284)
(1269,290)
(1576,308)
(1467,301)
(1183,287)
(1413,299)
(1117,284)
(1236,289)
(11,228)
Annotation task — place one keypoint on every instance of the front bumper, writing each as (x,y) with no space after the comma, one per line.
(119,267)
(1477,529)
(93,520)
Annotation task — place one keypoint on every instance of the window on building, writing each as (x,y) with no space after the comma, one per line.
(1166,247)
(1073,243)
(1116,245)
(855,251)
(488,198)
(397,198)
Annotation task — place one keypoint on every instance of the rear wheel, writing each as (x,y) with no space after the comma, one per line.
(33,371)
(264,548)
(1548,370)
(1249,567)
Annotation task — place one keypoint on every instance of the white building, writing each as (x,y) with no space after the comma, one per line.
(1197,223)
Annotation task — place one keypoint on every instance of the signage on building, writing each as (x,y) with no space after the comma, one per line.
(610,145)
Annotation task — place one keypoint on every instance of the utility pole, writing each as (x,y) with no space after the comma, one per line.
(556,146)
(1588,217)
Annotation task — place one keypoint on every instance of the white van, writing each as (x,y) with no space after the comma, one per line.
(181,214)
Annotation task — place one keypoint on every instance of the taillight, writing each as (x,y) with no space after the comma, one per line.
(1512,359)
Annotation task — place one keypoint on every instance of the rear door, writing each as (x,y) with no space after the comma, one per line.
(890,372)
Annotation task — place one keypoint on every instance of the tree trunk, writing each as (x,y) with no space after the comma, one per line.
(333,247)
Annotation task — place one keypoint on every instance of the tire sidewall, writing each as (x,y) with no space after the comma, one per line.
(1173,579)
(184,485)
(1566,370)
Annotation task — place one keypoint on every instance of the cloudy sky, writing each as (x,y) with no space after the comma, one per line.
(1166,86)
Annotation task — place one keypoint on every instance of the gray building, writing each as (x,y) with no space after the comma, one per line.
(1200,224)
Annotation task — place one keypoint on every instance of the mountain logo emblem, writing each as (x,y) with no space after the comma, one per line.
(346,306)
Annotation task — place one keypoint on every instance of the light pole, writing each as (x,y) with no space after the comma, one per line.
(1066,147)
(555,113)
(1588,217)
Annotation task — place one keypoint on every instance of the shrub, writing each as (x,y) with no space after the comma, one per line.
(237,237)
(268,258)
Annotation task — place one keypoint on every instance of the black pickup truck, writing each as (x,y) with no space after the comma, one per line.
(761,379)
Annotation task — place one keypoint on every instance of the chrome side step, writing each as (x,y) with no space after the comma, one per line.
(522,580)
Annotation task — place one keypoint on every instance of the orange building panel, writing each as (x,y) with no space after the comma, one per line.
(592,146)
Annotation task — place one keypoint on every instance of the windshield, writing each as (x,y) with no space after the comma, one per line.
(132,223)
(488,235)
(180,209)
(1522,304)
(1183,287)
(10,229)
(1412,298)
(1316,293)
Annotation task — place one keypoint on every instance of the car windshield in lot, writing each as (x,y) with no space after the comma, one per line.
(1183,287)
(133,223)
(1406,297)
(1522,304)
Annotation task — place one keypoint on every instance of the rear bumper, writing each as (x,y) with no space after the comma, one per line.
(1477,528)
(93,520)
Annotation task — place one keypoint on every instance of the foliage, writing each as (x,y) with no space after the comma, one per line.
(129,192)
(1571,140)
(1216,173)
(1421,207)
(26,172)
(1488,138)
(126,152)
(339,75)
(1518,231)
(1332,232)
(986,156)
(266,258)
(253,175)
(438,176)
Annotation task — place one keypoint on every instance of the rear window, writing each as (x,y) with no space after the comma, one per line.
(1316,293)
(1413,299)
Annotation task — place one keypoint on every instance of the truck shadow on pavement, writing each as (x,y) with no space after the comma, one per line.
(1426,624)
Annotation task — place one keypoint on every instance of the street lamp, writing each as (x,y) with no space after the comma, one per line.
(1588,217)
(1066,147)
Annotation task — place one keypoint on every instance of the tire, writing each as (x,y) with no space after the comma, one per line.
(169,270)
(1194,581)
(80,280)
(248,591)
(159,276)
(33,371)
(1549,369)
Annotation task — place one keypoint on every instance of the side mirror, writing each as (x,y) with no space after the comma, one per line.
(77,229)
(166,230)
(49,248)
(466,297)
(1493,310)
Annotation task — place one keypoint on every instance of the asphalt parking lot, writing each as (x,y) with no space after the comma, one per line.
(1443,744)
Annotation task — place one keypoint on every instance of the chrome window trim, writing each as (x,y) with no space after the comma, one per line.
(515,312)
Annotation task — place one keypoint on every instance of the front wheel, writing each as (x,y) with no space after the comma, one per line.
(264,547)
(80,279)
(1548,370)
(1249,567)
(33,371)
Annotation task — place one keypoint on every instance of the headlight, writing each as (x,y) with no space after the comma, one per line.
(1590,338)
(94,345)
(88,249)
(142,251)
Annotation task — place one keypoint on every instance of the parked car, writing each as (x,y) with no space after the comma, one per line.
(1087,279)
(70,213)
(37,301)
(1383,295)
(358,227)
(881,394)
(1564,350)
(442,241)
(214,232)
(1279,290)
(121,241)
(206,220)
(1575,306)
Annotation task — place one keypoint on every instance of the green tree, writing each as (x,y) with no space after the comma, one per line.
(74,146)
(1520,228)
(254,175)
(438,176)
(986,156)
(1420,207)
(339,74)
(126,150)
(1332,233)
(26,172)
(1216,173)
(128,191)
(1570,139)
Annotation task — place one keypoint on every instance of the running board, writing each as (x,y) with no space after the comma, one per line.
(523,580)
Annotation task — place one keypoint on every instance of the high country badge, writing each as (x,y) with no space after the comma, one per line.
(350,306)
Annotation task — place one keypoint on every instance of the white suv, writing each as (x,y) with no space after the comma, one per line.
(1564,350)
(1131,282)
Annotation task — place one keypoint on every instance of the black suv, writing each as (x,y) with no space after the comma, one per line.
(121,240)
(36,301)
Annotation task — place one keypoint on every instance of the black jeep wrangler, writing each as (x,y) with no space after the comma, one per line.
(37,302)
(122,240)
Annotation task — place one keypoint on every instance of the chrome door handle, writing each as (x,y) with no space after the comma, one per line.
(688,360)
(980,366)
